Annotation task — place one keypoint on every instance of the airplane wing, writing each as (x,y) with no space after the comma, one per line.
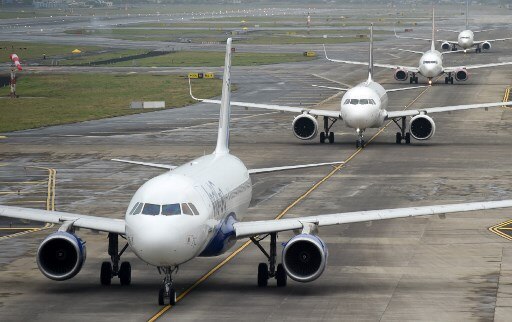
(408,68)
(483,30)
(253,228)
(282,108)
(291,167)
(491,40)
(56,217)
(449,30)
(410,51)
(468,67)
(147,164)
(398,114)
(404,88)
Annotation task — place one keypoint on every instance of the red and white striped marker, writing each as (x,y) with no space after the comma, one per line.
(16,60)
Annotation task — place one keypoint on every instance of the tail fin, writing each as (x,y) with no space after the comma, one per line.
(225,105)
(370,58)
(433,45)
(467,13)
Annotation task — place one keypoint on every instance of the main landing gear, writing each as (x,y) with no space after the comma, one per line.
(265,272)
(478,49)
(448,79)
(360,141)
(112,268)
(167,292)
(413,79)
(402,135)
(454,47)
(327,134)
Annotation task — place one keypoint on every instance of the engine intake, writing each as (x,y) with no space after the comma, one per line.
(445,46)
(305,127)
(486,45)
(401,75)
(305,258)
(461,75)
(422,127)
(61,256)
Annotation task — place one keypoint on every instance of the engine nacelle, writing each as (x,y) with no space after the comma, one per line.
(401,74)
(305,127)
(61,256)
(445,46)
(461,75)
(422,127)
(305,258)
(486,45)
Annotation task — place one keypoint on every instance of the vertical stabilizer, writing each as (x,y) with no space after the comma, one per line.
(225,105)
(467,13)
(433,45)
(370,58)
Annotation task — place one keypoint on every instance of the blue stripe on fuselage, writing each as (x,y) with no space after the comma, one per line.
(223,239)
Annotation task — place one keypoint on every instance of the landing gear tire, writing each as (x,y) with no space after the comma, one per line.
(262,274)
(398,138)
(416,79)
(106,273)
(125,273)
(446,80)
(281,276)
(408,138)
(322,137)
(172,296)
(331,137)
(451,80)
(161,297)
(360,143)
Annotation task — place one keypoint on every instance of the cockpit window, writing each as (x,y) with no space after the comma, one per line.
(363,101)
(151,209)
(194,209)
(171,210)
(186,209)
(136,209)
(372,101)
(347,101)
(354,101)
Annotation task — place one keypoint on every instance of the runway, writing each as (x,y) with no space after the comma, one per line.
(422,269)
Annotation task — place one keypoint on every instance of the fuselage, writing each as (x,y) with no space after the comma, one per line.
(364,106)
(431,64)
(189,211)
(466,39)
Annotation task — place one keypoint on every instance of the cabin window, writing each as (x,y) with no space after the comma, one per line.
(186,209)
(151,209)
(171,210)
(194,209)
(136,209)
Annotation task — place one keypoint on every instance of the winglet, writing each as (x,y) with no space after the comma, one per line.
(225,105)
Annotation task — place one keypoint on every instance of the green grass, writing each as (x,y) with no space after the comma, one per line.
(213,59)
(58,99)
(34,51)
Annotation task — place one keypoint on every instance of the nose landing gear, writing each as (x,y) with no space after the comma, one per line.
(167,292)
(112,268)
(360,141)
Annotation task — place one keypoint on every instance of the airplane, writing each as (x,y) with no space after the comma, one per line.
(465,39)
(430,65)
(194,210)
(363,106)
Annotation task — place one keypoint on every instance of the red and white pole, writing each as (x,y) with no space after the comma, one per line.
(15,66)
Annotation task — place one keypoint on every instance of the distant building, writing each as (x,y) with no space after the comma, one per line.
(49,4)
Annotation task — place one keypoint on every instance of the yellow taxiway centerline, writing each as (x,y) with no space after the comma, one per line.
(279,216)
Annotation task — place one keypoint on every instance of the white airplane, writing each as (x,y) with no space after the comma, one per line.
(363,106)
(194,210)
(465,39)
(430,65)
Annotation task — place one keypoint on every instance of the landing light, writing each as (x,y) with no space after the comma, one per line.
(430,82)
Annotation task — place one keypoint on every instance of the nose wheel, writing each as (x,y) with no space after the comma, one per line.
(360,140)
(112,268)
(167,292)
(268,271)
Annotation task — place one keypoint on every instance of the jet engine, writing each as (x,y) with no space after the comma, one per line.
(461,75)
(61,256)
(305,258)
(422,127)
(445,46)
(305,127)
(486,45)
(401,74)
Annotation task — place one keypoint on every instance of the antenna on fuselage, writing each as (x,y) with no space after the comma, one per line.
(433,45)
(225,105)
(467,12)
(370,58)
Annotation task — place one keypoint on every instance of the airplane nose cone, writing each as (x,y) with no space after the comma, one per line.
(162,244)
(359,116)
